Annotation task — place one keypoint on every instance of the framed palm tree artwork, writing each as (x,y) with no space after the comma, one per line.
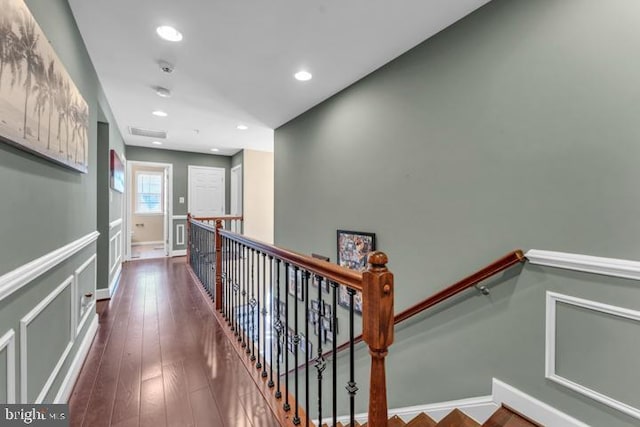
(41,109)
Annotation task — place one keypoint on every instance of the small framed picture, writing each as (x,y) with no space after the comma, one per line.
(326,311)
(316,328)
(328,336)
(316,279)
(295,283)
(316,305)
(326,324)
(305,346)
(343,300)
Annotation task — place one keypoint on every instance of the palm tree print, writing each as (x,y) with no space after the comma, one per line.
(36,91)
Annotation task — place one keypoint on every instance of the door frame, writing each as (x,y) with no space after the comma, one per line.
(237,194)
(168,211)
(224,183)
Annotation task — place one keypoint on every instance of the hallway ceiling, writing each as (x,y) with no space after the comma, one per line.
(236,62)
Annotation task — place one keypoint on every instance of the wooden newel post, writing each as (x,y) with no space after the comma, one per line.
(377,312)
(218,298)
(189,238)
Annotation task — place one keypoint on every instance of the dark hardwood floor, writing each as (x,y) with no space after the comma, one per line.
(160,359)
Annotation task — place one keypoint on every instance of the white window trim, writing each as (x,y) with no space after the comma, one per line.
(162,195)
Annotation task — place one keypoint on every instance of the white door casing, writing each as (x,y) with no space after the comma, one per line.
(236,195)
(206,191)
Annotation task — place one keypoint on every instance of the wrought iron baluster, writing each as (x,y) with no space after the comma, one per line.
(271,383)
(257,311)
(334,372)
(243,308)
(352,387)
(264,316)
(286,405)
(252,305)
(307,337)
(296,347)
(320,363)
(279,329)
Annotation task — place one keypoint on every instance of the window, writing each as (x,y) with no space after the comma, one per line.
(149,192)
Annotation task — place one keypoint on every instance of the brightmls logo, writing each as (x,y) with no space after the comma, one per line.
(34,415)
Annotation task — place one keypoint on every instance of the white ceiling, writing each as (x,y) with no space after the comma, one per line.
(237,59)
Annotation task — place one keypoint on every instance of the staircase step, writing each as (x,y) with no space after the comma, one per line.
(457,418)
(422,420)
(503,417)
(396,421)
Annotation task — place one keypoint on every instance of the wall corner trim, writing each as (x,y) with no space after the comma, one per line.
(21,276)
(614,267)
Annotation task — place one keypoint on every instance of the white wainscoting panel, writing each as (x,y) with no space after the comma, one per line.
(180,234)
(64,393)
(24,350)
(82,304)
(589,264)
(8,344)
(550,347)
(115,249)
(14,280)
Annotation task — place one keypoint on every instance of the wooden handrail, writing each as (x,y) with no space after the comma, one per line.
(492,269)
(215,218)
(332,272)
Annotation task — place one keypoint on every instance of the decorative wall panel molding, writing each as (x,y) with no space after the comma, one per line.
(179,217)
(21,276)
(64,393)
(589,264)
(24,350)
(84,305)
(114,224)
(550,347)
(180,234)
(8,344)
(115,251)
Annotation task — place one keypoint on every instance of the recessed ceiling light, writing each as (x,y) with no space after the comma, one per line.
(242,127)
(303,76)
(169,33)
(163,92)
(215,150)
(159,113)
(157,143)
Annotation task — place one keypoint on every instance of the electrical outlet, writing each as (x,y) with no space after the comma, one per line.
(181,200)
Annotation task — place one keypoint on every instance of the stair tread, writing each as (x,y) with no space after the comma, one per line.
(396,421)
(457,418)
(503,417)
(422,420)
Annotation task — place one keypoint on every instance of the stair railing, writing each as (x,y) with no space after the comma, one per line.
(473,280)
(253,283)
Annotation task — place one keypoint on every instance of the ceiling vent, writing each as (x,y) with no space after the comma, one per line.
(155,134)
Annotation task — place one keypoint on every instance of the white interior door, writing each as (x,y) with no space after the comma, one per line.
(236,196)
(206,191)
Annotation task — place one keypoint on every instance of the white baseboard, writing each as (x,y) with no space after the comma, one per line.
(113,286)
(69,381)
(540,412)
(478,408)
(180,252)
(481,408)
(160,242)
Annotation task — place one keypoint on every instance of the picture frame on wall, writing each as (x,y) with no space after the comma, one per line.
(315,279)
(292,284)
(43,97)
(116,172)
(353,248)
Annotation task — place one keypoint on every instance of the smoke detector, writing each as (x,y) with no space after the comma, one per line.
(166,67)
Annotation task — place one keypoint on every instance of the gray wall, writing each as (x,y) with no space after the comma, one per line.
(181,161)
(515,128)
(45,207)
